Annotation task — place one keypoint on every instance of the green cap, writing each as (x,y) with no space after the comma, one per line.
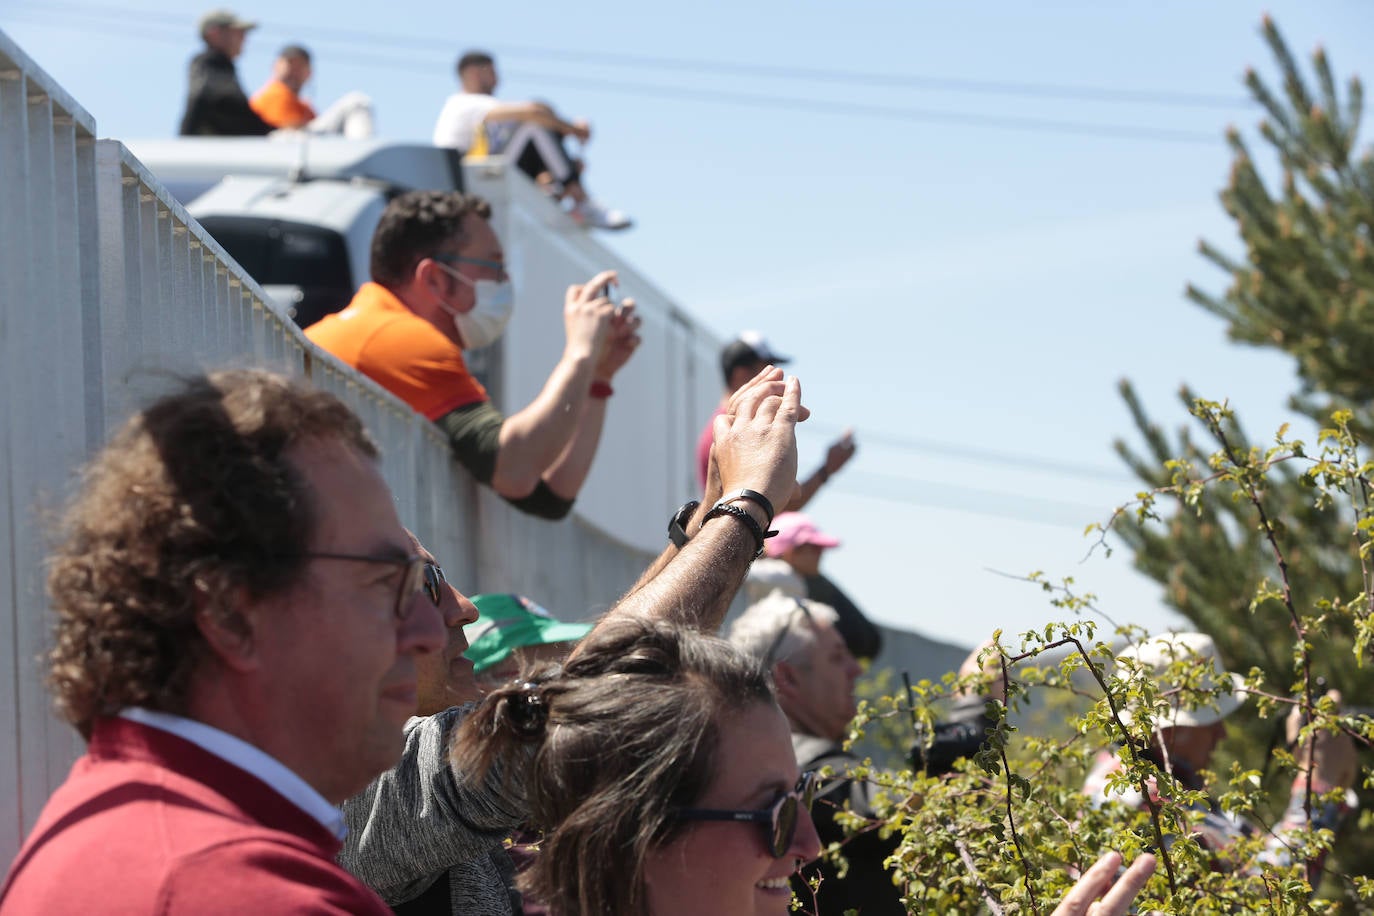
(508,622)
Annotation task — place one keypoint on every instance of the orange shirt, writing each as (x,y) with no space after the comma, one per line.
(279,105)
(405,354)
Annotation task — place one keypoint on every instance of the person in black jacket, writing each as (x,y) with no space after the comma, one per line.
(800,544)
(215,102)
(813,674)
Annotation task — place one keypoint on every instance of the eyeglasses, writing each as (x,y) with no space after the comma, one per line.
(419,574)
(434,582)
(498,266)
(779,819)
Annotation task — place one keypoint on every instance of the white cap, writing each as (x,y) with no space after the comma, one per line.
(1201,699)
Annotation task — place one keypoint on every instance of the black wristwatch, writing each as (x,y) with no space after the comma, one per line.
(677,525)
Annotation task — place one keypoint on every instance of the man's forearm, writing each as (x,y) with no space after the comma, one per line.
(694,586)
(534,113)
(567,474)
(533,439)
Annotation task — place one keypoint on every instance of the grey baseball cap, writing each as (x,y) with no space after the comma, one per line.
(226,19)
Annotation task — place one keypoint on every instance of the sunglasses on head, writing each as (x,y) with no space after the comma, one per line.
(779,820)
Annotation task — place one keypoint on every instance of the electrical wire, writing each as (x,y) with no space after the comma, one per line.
(889,113)
(965,452)
(409,43)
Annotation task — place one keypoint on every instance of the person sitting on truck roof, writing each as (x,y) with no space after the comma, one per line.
(439,287)
(279,102)
(530,134)
(215,103)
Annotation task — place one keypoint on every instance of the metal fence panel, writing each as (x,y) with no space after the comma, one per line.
(46,170)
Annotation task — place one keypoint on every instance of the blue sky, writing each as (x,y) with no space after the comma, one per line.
(961,286)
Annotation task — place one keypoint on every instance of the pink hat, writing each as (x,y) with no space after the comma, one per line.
(795,529)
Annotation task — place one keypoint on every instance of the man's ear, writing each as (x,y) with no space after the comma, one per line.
(229,626)
(786,679)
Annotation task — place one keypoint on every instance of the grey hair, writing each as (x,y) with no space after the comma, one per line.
(779,627)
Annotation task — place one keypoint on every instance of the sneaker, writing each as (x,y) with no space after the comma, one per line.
(594,215)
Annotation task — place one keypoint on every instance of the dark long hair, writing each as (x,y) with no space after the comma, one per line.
(627,731)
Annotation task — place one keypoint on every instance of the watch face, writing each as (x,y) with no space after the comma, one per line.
(677,525)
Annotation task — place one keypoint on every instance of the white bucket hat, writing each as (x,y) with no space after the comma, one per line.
(1199,700)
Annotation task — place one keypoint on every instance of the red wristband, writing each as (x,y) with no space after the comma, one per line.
(602,390)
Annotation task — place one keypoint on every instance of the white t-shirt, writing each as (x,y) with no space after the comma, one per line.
(457,124)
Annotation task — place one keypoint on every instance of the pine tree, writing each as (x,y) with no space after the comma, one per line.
(1304,285)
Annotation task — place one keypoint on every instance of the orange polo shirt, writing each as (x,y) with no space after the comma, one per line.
(405,354)
(279,105)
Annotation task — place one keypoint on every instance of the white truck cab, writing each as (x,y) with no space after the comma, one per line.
(297,213)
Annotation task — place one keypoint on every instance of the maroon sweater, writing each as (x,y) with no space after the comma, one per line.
(150,823)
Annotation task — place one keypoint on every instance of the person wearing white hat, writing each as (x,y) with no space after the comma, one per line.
(1194,695)
(216,105)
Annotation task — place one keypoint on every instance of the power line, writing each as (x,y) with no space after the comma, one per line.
(953,497)
(1058,91)
(964,452)
(772,102)
(926,115)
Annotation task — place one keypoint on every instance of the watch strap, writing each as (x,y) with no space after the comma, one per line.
(677,525)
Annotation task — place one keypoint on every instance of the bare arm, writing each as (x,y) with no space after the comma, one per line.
(836,457)
(533,440)
(536,113)
(755,447)
(567,474)
(708,499)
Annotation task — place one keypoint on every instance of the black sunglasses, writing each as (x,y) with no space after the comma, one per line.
(419,574)
(434,583)
(779,819)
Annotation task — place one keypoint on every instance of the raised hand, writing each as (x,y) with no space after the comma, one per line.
(756,437)
(587,316)
(1117,894)
(839,453)
(621,341)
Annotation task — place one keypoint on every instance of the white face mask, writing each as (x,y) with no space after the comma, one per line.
(495,300)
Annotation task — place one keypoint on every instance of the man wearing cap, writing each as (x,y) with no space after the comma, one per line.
(741,360)
(796,549)
(1187,673)
(215,103)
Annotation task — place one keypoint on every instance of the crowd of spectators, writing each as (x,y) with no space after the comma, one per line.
(531,134)
(274,676)
(216,105)
(249,639)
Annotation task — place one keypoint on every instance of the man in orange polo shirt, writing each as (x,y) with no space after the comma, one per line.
(279,102)
(439,287)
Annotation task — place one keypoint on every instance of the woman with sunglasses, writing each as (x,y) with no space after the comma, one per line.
(661,770)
